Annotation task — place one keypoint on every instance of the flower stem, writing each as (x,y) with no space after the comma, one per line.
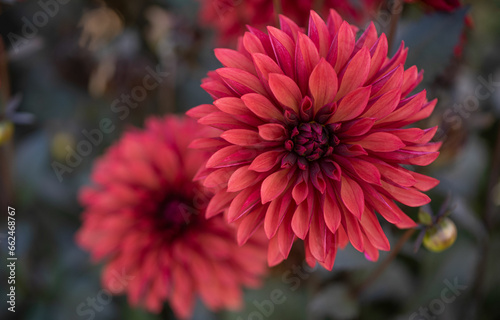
(277,10)
(381,268)
(395,11)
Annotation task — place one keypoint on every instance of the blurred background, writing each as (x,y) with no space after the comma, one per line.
(67,71)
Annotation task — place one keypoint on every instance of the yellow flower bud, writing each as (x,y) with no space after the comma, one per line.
(441,236)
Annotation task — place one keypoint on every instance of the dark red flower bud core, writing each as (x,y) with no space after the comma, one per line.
(174,211)
(310,140)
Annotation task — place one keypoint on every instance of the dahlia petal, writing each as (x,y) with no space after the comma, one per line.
(381,142)
(301,219)
(368,38)
(264,66)
(306,58)
(241,81)
(230,156)
(352,196)
(272,132)
(201,111)
(222,121)
(168,163)
(383,105)
(409,157)
(232,106)
(357,127)
(289,27)
(331,169)
(424,112)
(262,107)
(217,89)
(266,161)
(285,90)
(399,58)
(351,105)
(427,136)
(381,204)
(249,224)
(144,175)
(311,262)
(407,107)
(323,92)
(183,299)
(273,218)
(252,44)
(234,59)
(354,74)
(364,169)
(354,232)
(274,256)
(409,80)
(286,236)
(241,137)
(409,134)
(274,185)
(332,252)
(284,50)
(341,47)
(207,143)
(354,150)
(318,32)
(243,203)
(334,22)
(378,53)
(390,81)
(317,177)
(405,221)
(243,178)
(301,189)
(218,203)
(331,211)
(263,39)
(317,237)
(408,196)
(423,182)
(218,178)
(371,253)
(374,233)
(395,174)
(342,237)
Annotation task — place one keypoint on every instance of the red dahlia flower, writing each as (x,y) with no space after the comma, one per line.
(312,138)
(146,216)
(230,17)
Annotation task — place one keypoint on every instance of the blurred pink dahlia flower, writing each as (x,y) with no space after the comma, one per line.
(230,17)
(146,218)
(312,138)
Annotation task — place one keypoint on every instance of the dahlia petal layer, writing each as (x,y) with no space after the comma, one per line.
(313,136)
(146,218)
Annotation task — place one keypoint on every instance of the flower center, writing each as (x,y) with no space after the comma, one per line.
(175,213)
(310,140)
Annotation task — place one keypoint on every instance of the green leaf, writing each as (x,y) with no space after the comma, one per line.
(424,217)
